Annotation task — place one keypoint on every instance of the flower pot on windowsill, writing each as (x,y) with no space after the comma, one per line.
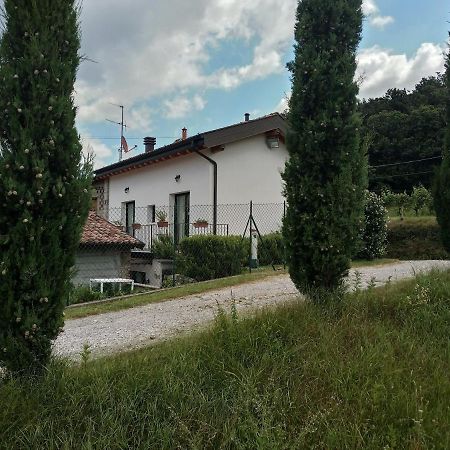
(136,226)
(201,224)
(162,223)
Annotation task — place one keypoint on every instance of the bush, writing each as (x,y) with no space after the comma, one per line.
(163,248)
(83,294)
(374,233)
(209,257)
(415,239)
(271,250)
(422,200)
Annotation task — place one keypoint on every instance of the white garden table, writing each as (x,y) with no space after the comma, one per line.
(102,281)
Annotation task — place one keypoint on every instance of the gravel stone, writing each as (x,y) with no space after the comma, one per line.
(145,325)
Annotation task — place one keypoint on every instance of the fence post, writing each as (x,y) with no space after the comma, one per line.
(250,240)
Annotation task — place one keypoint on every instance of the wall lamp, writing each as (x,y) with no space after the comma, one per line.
(273,142)
(127,189)
(178,178)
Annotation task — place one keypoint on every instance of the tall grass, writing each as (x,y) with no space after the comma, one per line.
(371,372)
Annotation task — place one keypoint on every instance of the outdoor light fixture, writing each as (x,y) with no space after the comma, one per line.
(127,189)
(273,142)
(178,178)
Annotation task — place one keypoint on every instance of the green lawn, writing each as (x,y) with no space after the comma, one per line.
(371,373)
(189,289)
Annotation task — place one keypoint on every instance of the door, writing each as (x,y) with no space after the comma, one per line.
(129,217)
(181,216)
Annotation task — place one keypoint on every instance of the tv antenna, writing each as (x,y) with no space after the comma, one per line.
(122,127)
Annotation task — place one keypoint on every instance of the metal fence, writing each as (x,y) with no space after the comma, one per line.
(141,243)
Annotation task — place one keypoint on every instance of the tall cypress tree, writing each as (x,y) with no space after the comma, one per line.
(442,181)
(44,185)
(323,183)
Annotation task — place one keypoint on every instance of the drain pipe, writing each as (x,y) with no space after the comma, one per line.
(214,164)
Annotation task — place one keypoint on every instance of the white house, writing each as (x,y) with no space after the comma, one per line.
(205,177)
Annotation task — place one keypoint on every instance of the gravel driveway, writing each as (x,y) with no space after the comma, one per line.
(137,327)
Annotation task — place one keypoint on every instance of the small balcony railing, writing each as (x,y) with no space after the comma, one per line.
(149,233)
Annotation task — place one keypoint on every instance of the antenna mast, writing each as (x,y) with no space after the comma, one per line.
(122,126)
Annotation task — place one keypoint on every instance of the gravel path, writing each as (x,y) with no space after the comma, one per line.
(138,327)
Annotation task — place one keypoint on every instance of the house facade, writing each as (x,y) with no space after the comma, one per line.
(195,178)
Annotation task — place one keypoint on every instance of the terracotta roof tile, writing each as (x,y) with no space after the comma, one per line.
(99,232)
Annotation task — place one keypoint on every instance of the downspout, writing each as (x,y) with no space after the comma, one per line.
(214,164)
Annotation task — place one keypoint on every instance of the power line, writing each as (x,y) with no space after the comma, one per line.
(403,175)
(405,162)
(130,138)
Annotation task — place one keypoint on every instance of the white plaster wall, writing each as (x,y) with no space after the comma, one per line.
(247,170)
(153,185)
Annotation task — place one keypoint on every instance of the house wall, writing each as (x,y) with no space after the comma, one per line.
(101,263)
(247,171)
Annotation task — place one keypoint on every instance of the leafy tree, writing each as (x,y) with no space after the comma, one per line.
(442,182)
(44,186)
(325,198)
(421,199)
(405,126)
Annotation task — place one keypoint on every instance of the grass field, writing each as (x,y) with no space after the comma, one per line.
(371,373)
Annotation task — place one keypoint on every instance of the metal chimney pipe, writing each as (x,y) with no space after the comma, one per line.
(247,117)
(149,143)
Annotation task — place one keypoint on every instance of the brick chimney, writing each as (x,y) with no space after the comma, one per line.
(149,143)
(247,117)
(184,134)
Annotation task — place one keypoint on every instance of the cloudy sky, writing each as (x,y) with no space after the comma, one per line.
(202,64)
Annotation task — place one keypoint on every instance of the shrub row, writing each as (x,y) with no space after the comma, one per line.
(415,239)
(209,257)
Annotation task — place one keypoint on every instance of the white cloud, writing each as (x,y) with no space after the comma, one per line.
(372,12)
(147,50)
(381,21)
(180,107)
(283,104)
(381,69)
(102,153)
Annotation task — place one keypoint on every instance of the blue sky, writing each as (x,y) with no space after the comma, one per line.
(202,64)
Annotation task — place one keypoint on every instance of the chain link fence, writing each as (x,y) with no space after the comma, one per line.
(139,248)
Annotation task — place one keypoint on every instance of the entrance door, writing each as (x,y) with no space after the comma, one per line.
(181,216)
(129,217)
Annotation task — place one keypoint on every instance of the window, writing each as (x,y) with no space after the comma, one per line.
(151,212)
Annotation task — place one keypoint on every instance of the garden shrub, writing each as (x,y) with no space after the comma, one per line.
(271,250)
(415,239)
(374,233)
(163,248)
(209,257)
(422,200)
(83,294)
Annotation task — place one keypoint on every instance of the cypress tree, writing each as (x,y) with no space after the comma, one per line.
(44,183)
(324,180)
(442,181)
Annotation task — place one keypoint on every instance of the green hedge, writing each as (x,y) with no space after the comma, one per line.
(271,250)
(415,239)
(209,257)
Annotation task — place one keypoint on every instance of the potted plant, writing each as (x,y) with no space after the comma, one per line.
(201,223)
(119,225)
(161,217)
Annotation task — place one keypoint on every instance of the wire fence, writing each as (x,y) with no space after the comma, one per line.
(129,248)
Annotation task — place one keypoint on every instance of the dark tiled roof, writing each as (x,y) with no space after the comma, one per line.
(200,141)
(99,232)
